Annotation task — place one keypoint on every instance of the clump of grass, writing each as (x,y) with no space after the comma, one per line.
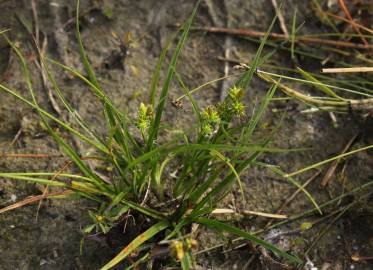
(209,159)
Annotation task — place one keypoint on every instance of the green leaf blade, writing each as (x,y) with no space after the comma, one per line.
(138,241)
(214,224)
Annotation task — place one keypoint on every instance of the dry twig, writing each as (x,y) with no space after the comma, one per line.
(14,155)
(299,39)
(281,18)
(221,211)
(349,17)
(333,166)
(351,22)
(347,70)
(33,199)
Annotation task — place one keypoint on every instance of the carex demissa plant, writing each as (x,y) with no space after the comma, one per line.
(208,159)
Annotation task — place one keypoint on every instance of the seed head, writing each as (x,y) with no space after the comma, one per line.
(236,93)
(211,115)
(144,117)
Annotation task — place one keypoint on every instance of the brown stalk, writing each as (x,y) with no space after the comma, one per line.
(351,22)
(33,199)
(46,191)
(349,17)
(358,258)
(13,155)
(299,39)
(333,166)
(224,211)
(281,18)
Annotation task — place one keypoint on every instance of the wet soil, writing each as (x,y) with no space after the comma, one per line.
(50,238)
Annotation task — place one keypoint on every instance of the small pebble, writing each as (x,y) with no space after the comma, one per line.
(55,254)
(13,197)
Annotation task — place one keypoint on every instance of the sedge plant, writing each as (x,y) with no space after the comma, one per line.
(209,159)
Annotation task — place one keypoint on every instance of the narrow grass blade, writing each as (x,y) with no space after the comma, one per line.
(328,160)
(116,200)
(195,107)
(164,93)
(66,126)
(3,31)
(71,110)
(89,188)
(137,242)
(158,68)
(197,195)
(319,84)
(135,265)
(223,227)
(117,132)
(246,78)
(35,105)
(248,131)
(314,83)
(295,183)
(199,200)
(30,178)
(112,115)
(157,175)
(53,175)
(76,73)
(144,210)
(34,179)
(293,32)
(323,17)
(231,167)
(178,149)
(109,108)
(87,65)
(67,149)
(187,261)
(305,213)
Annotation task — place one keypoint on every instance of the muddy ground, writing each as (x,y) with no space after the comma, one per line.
(50,238)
